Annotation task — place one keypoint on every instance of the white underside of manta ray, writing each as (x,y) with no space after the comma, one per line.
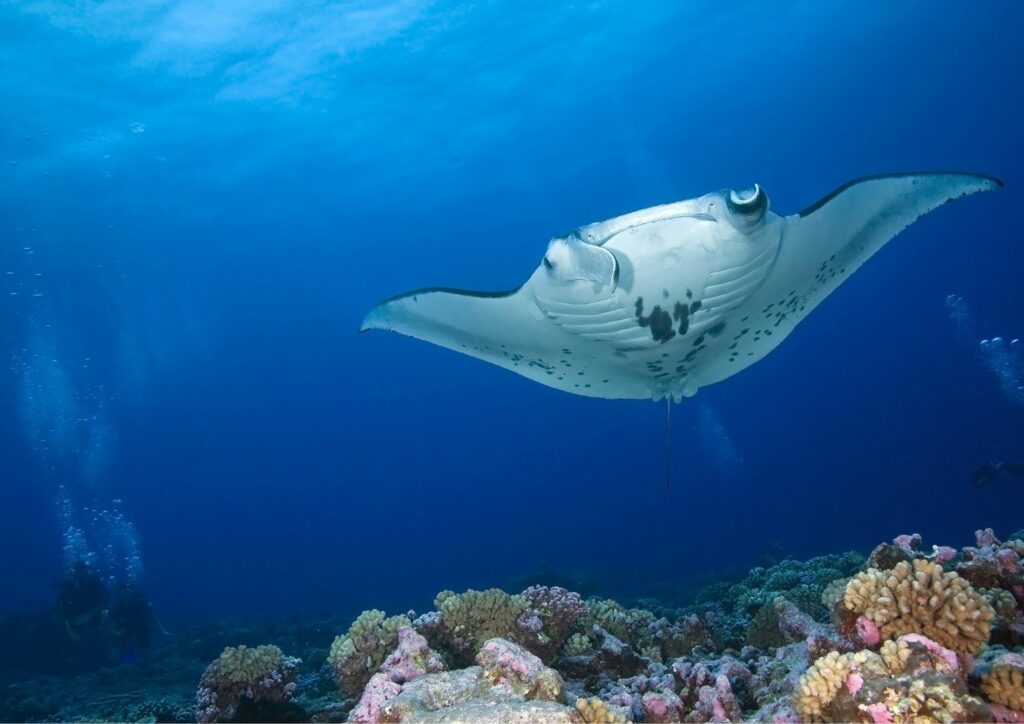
(664,301)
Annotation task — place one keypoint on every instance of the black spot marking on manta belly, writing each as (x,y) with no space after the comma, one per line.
(694,306)
(659,321)
(681,314)
(716,329)
(689,294)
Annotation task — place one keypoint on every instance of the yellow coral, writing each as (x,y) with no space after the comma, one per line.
(820,684)
(833,592)
(922,599)
(904,696)
(577,645)
(243,664)
(1003,603)
(1004,682)
(920,702)
(595,711)
(631,625)
(895,655)
(480,615)
(371,638)
(822,681)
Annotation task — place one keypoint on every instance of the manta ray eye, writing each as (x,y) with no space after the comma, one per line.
(748,206)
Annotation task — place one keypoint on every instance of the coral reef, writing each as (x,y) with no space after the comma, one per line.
(910,679)
(468,619)
(735,606)
(507,684)
(920,597)
(595,711)
(242,674)
(1002,680)
(552,614)
(631,625)
(358,654)
(813,641)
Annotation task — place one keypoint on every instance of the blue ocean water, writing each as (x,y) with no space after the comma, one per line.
(200,201)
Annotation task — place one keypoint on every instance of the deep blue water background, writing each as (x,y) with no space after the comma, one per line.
(215,195)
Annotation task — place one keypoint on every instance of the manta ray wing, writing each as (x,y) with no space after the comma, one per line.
(825,243)
(829,240)
(513,330)
(668,300)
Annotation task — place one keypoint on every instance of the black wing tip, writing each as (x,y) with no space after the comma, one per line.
(368,326)
(899,174)
(451,290)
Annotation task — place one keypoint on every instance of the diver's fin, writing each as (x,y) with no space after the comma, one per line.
(1014,468)
(161,628)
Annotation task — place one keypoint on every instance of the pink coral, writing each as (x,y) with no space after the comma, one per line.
(1008,560)
(943,554)
(377,693)
(1006,716)
(853,683)
(868,631)
(986,538)
(879,713)
(661,706)
(942,652)
(413,657)
(510,667)
(908,543)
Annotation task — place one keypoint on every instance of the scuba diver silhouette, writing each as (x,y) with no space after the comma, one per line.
(987,472)
(97,620)
(81,600)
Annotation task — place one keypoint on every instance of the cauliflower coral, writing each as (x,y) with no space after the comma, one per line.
(921,598)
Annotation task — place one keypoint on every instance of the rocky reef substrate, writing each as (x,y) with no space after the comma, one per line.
(903,634)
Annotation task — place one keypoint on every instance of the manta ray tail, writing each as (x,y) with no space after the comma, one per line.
(668,446)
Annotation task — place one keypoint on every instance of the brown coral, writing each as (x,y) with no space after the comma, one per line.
(243,674)
(473,617)
(823,680)
(1004,682)
(833,593)
(910,679)
(595,711)
(922,598)
(359,653)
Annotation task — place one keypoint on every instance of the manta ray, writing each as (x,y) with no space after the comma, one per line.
(662,302)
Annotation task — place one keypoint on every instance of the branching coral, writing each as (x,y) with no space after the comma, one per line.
(1003,683)
(911,679)
(468,619)
(823,680)
(681,637)
(577,645)
(261,674)
(833,593)
(358,654)
(551,616)
(595,711)
(631,625)
(240,664)
(921,598)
